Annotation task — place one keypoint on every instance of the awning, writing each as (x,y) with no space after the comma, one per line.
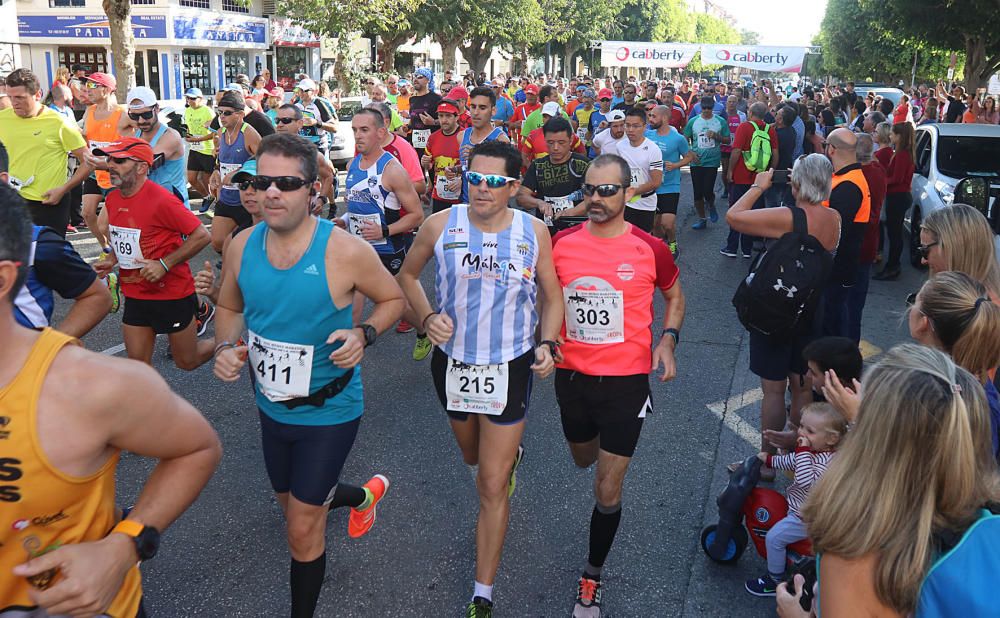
(284,33)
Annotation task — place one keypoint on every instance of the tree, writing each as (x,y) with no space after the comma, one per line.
(119,13)
(654,21)
(573,24)
(749,37)
(972,25)
(710,29)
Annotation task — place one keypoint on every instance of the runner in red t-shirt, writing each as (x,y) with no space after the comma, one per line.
(522,111)
(153,235)
(740,178)
(610,272)
(441,156)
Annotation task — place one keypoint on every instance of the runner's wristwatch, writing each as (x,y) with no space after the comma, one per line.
(673,332)
(370,333)
(146,538)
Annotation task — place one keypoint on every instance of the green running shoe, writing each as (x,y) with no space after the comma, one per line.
(422,348)
(479,608)
(116,292)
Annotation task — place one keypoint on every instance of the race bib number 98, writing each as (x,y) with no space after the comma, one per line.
(478,389)
(420,138)
(283,370)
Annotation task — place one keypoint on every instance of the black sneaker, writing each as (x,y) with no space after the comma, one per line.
(206,205)
(206,311)
(763,586)
(479,608)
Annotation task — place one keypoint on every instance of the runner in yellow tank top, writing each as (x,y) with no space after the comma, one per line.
(64,549)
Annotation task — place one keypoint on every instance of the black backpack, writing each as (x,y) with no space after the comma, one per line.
(779,295)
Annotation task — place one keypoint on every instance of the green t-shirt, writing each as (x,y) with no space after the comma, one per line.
(37,148)
(534,120)
(197,121)
(708,150)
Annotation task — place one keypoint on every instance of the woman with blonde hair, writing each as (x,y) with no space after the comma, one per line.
(915,467)
(960,238)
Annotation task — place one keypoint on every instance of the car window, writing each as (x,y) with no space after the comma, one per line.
(348,109)
(923,153)
(960,156)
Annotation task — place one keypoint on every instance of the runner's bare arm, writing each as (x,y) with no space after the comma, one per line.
(172,144)
(372,279)
(326,174)
(195,242)
(553,308)
(87,311)
(252,139)
(229,313)
(663,353)
(654,182)
(526,199)
(419,255)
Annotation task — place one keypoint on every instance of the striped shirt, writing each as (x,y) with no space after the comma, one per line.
(808,466)
(486,285)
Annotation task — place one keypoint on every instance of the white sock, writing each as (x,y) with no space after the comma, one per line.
(483,591)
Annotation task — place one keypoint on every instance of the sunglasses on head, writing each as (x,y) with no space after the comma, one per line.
(606,190)
(285,120)
(925,250)
(228,112)
(143,115)
(493,181)
(284,183)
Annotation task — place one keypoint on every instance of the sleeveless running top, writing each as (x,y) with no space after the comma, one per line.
(101,133)
(367,198)
(43,507)
(231,158)
(463,155)
(172,173)
(289,354)
(486,285)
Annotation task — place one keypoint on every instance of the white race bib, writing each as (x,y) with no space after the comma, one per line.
(441,185)
(595,316)
(226,169)
(635,179)
(582,134)
(125,243)
(559,204)
(479,389)
(705,142)
(354,225)
(420,137)
(282,370)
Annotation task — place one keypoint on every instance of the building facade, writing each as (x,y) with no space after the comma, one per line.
(179,44)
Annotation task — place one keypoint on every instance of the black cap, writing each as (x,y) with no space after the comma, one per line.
(233,99)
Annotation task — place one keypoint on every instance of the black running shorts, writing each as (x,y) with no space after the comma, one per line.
(666,203)
(200,162)
(611,408)
(518,387)
(163,316)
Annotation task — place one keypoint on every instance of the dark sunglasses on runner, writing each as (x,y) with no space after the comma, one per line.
(284,120)
(602,190)
(143,115)
(244,184)
(493,181)
(284,183)
(229,112)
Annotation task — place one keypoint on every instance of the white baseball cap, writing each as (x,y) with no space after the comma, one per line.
(307,84)
(550,109)
(616,116)
(141,97)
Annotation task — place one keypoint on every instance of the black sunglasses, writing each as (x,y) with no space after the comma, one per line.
(285,120)
(118,160)
(143,115)
(244,184)
(925,250)
(606,190)
(284,183)
(228,112)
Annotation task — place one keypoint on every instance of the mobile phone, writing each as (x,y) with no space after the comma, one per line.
(780,177)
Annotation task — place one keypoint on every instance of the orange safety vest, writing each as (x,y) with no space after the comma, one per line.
(44,508)
(857,177)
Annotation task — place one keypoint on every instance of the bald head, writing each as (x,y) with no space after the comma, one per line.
(845,144)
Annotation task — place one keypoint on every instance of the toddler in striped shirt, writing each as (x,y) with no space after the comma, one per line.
(819,433)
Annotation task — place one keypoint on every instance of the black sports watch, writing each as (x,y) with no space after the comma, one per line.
(673,332)
(146,538)
(370,333)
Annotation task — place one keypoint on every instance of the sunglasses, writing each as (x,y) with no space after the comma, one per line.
(493,181)
(228,112)
(605,99)
(144,115)
(284,183)
(118,161)
(284,120)
(93,85)
(244,184)
(925,250)
(603,190)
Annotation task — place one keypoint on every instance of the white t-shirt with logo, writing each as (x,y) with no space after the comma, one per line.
(642,160)
(607,143)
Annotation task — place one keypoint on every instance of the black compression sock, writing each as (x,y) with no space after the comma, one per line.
(348,495)
(603,526)
(306,579)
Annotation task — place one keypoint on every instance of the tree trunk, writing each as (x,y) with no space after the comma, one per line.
(388,52)
(448,48)
(569,68)
(978,65)
(119,13)
(477,54)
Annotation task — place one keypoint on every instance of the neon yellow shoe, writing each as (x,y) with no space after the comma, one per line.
(116,292)
(422,348)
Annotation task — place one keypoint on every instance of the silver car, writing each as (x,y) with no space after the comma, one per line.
(947,153)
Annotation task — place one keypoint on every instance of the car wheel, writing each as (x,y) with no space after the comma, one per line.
(915,223)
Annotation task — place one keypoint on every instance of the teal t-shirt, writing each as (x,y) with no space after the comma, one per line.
(708,150)
(672,146)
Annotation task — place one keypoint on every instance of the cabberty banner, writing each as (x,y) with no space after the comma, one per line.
(755,57)
(650,55)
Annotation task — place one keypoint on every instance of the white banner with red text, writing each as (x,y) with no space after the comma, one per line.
(649,55)
(679,55)
(755,57)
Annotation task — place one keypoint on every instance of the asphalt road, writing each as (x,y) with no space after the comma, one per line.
(227,554)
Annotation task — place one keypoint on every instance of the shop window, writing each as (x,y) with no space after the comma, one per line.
(197,4)
(237,62)
(93,59)
(196,70)
(147,2)
(66,3)
(290,62)
(236,6)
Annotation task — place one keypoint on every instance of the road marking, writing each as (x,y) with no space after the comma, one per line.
(114,349)
(726,412)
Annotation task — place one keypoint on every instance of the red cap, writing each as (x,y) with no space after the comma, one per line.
(108,81)
(277,91)
(606,93)
(128,148)
(531,89)
(458,93)
(447,107)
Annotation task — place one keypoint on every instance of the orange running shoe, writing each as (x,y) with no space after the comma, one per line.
(360,522)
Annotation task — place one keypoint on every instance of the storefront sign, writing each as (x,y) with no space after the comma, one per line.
(755,57)
(284,33)
(221,31)
(650,55)
(88,27)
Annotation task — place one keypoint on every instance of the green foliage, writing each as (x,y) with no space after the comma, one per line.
(709,29)
(749,37)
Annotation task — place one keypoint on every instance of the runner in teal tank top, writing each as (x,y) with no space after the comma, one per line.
(291,283)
